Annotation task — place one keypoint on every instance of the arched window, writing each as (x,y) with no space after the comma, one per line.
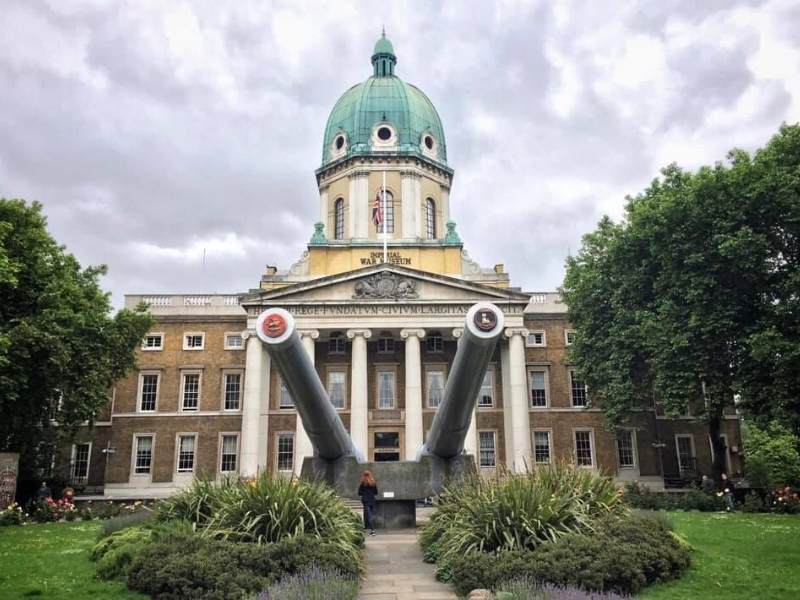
(389,213)
(338,229)
(430,214)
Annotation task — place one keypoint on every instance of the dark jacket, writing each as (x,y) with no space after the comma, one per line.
(368,493)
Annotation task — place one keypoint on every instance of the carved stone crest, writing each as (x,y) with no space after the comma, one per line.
(385,285)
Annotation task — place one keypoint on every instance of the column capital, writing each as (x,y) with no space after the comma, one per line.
(247,333)
(365,333)
(458,332)
(406,333)
(311,333)
(512,331)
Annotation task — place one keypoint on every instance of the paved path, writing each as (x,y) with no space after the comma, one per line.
(395,570)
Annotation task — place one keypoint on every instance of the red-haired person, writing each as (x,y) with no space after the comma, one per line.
(368,490)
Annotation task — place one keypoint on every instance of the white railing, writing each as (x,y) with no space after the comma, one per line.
(157,300)
(231,300)
(196,300)
(539,298)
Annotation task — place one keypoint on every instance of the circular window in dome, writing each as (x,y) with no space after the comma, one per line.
(428,142)
(339,142)
(384,134)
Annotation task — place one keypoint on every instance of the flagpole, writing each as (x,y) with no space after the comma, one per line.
(385,257)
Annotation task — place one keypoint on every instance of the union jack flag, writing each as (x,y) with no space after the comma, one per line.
(377,211)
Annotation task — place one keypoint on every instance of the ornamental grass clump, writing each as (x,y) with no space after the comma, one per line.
(267,509)
(518,511)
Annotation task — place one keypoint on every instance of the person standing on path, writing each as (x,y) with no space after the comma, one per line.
(368,490)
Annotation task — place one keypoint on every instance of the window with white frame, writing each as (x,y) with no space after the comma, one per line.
(584,448)
(80,462)
(537,379)
(577,390)
(191,391)
(430,219)
(337,343)
(434,342)
(233,391)
(386,388)
(536,338)
(569,337)
(229,446)
(143,458)
(434,386)
(153,341)
(148,391)
(194,340)
(338,219)
(541,446)
(385,344)
(486,394)
(486,447)
(285,398)
(686,457)
(387,209)
(285,453)
(234,341)
(337,388)
(186,451)
(626,448)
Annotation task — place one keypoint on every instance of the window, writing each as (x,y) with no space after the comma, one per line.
(428,142)
(286,400)
(387,446)
(80,462)
(430,219)
(148,385)
(193,341)
(433,342)
(538,385)
(486,445)
(336,388)
(384,133)
(577,390)
(337,344)
(144,454)
(191,391)
(234,341)
(536,338)
(686,456)
(233,391)
(387,209)
(386,388)
(153,341)
(386,345)
(186,445)
(434,387)
(228,452)
(338,219)
(541,447)
(569,337)
(626,448)
(285,451)
(339,142)
(584,452)
(486,395)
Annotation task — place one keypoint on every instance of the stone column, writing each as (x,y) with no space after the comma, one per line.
(413,367)
(359,408)
(515,399)
(324,210)
(410,192)
(445,208)
(263,417)
(302,443)
(359,205)
(471,441)
(254,386)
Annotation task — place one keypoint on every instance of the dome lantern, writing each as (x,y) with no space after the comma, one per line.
(383,57)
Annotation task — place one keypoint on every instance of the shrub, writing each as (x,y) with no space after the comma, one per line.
(517,511)
(527,589)
(12,515)
(640,496)
(313,584)
(644,552)
(127,519)
(49,510)
(753,503)
(772,456)
(268,508)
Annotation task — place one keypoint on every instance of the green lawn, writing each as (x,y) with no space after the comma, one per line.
(750,556)
(52,561)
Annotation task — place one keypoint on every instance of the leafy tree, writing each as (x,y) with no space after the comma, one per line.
(692,300)
(61,350)
(772,456)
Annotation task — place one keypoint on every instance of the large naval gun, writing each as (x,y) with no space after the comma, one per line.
(337,460)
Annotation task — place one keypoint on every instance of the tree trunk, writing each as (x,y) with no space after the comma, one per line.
(714,430)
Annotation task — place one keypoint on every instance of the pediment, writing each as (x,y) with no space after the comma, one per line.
(385,284)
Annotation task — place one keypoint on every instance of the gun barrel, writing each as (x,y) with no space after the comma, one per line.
(276,328)
(482,328)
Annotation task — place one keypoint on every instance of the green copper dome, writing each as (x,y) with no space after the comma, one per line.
(384,115)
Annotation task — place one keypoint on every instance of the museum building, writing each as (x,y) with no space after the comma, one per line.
(380,319)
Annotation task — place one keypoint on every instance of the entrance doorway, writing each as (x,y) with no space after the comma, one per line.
(386,446)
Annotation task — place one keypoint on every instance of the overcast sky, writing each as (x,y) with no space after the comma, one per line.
(151,131)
